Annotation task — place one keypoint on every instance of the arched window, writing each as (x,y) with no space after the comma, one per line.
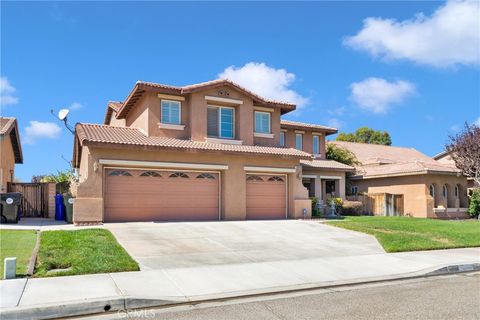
(456,191)
(254,178)
(178,175)
(120,173)
(205,176)
(432,191)
(150,174)
(445,191)
(275,178)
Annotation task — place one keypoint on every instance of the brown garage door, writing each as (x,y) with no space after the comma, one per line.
(266,197)
(149,195)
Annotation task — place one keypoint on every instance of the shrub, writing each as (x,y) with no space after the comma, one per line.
(474,207)
(315,211)
(352,208)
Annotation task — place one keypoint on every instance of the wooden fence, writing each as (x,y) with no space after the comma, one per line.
(36,198)
(380,204)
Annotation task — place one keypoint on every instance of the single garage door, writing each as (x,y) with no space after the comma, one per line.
(266,197)
(150,195)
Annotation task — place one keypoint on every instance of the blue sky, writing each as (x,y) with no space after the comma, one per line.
(419,79)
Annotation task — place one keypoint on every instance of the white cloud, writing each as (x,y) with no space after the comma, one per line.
(7,92)
(41,130)
(265,81)
(75,106)
(448,37)
(337,111)
(477,122)
(455,128)
(378,95)
(335,123)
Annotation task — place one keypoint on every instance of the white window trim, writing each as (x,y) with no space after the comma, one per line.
(179,111)
(282,133)
(171,126)
(318,145)
(269,122)
(170,97)
(264,135)
(224,100)
(263,109)
(296,135)
(223,141)
(220,123)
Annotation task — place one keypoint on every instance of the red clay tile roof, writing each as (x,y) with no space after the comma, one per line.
(112,107)
(9,126)
(105,134)
(381,161)
(141,86)
(303,125)
(326,164)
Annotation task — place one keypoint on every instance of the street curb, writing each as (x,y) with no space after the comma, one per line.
(124,304)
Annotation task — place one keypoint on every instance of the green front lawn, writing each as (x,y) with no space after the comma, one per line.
(19,244)
(81,252)
(398,234)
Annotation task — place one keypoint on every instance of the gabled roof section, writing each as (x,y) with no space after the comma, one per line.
(326,164)
(128,137)
(9,127)
(112,108)
(308,126)
(387,161)
(142,86)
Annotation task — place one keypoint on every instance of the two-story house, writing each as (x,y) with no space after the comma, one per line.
(209,151)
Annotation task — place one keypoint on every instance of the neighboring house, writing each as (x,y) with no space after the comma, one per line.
(10,151)
(430,189)
(445,157)
(209,151)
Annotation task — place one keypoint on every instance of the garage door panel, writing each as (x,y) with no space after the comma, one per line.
(162,198)
(266,197)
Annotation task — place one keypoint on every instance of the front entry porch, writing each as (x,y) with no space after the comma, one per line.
(324,187)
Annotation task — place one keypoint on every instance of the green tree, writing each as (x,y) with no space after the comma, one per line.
(341,154)
(474,207)
(366,135)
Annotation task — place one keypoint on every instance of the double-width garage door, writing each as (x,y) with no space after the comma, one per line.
(150,195)
(266,197)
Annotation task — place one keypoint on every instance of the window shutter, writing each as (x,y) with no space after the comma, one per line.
(212,122)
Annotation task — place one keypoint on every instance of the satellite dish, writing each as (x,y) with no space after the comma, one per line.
(63,113)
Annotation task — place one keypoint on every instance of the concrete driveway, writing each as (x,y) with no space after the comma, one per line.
(193,244)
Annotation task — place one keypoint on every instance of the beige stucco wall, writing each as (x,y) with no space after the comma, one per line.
(415,189)
(146,115)
(307,141)
(88,206)
(7,162)
(116,122)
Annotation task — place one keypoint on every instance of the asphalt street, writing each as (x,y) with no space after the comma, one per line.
(436,298)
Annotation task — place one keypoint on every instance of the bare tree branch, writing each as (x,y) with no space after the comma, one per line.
(464,149)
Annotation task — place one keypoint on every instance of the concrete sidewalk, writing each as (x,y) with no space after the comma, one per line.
(68,296)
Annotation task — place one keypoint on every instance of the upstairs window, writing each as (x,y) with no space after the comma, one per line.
(316,144)
(220,122)
(171,111)
(282,139)
(262,122)
(299,141)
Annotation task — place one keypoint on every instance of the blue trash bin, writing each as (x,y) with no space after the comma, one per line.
(59,208)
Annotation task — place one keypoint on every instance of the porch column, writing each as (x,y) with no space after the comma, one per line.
(318,188)
(341,187)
